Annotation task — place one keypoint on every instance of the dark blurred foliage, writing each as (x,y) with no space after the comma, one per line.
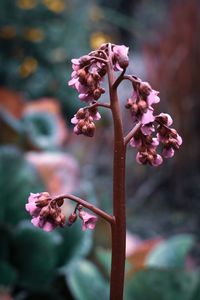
(38,152)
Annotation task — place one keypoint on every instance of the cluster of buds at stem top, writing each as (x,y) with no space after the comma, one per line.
(89,70)
(88,220)
(46,213)
(140,106)
(84,120)
(87,76)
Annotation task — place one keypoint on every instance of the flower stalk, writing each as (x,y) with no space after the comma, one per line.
(88,74)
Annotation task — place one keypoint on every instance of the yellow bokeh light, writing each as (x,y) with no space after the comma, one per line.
(7,32)
(56,6)
(98,38)
(29,66)
(33,34)
(26,4)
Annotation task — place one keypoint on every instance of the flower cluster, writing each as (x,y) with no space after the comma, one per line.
(89,70)
(88,220)
(45,212)
(86,77)
(84,120)
(142,111)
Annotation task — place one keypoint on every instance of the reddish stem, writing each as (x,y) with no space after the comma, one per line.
(131,133)
(119,227)
(87,205)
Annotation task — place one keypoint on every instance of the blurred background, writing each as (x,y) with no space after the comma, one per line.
(39,152)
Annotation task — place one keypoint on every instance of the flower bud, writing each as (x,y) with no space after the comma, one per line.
(81,113)
(96,94)
(142,105)
(123,61)
(134,108)
(84,129)
(81,124)
(85,59)
(60,202)
(44,211)
(43,199)
(90,81)
(144,88)
(129,103)
(81,73)
(90,129)
(72,219)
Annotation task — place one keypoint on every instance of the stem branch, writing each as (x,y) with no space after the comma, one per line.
(110,219)
(131,133)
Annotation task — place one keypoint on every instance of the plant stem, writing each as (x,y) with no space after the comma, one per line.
(110,219)
(119,227)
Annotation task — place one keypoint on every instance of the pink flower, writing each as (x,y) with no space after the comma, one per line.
(120,57)
(165,119)
(87,76)
(83,121)
(147,117)
(43,223)
(31,206)
(89,221)
(153,97)
(149,157)
(45,213)
(148,129)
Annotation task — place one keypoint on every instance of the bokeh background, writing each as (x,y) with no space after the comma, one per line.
(38,150)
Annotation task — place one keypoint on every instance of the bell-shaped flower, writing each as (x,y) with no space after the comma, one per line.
(88,220)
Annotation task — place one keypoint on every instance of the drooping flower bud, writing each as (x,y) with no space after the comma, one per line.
(72,219)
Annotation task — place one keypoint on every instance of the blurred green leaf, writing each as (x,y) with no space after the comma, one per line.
(75,244)
(34,255)
(87,283)
(171,253)
(17,179)
(8,274)
(104,257)
(155,284)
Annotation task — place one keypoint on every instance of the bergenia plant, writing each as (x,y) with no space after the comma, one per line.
(151,135)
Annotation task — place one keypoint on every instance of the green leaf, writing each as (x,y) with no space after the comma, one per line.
(8,274)
(17,179)
(34,255)
(75,244)
(171,253)
(87,283)
(104,257)
(154,284)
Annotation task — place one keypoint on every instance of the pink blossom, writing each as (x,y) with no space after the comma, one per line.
(136,143)
(147,117)
(147,129)
(86,77)
(31,206)
(45,213)
(166,119)
(120,57)
(149,157)
(168,153)
(89,221)
(43,223)
(153,98)
(75,64)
